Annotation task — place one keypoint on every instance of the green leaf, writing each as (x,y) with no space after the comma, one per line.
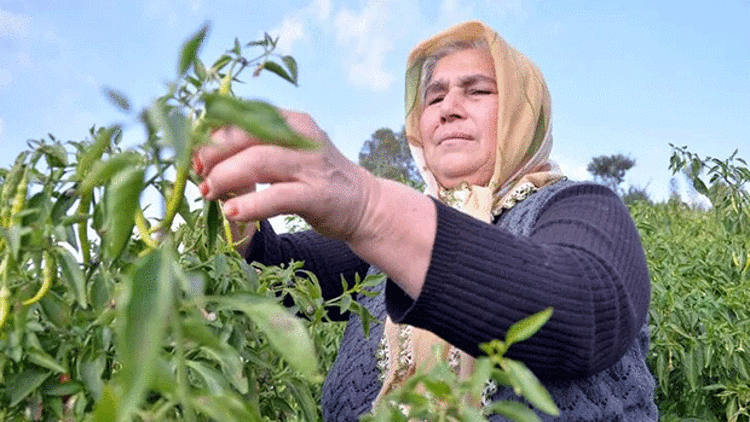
(200,70)
(302,394)
(527,327)
(699,186)
(439,389)
(213,380)
(24,383)
(291,64)
(531,389)
(346,302)
(44,360)
(259,119)
(57,310)
(67,389)
(471,414)
(691,369)
(106,409)
(277,69)
(102,171)
(93,153)
(285,332)
(228,357)
(91,370)
(117,98)
(221,62)
(227,407)
(62,205)
(480,375)
(123,193)
(213,224)
(143,315)
(190,49)
(163,377)
(514,411)
(55,155)
(175,129)
(73,275)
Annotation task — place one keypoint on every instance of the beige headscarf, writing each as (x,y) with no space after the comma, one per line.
(522,166)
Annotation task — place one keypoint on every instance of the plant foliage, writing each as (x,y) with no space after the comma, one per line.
(109,315)
(700,269)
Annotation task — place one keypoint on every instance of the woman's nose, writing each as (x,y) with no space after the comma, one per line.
(451,108)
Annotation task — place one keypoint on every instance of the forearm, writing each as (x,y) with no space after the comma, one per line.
(483,278)
(398,235)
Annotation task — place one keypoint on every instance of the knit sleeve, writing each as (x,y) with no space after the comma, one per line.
(583,258)
(328,259)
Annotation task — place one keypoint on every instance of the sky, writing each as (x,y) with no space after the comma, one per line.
(625,77)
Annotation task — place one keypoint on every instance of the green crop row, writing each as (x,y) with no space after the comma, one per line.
(699,262)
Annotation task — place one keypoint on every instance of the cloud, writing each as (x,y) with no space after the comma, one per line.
(365,37)
(321,9)
(172,12)
(371,39)
(572,170)
(290,31)
(13,25)
(369,72)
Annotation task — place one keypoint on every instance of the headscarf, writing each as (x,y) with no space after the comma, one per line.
(522,166)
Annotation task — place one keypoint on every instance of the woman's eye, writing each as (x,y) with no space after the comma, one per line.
(480,92)
(434,100)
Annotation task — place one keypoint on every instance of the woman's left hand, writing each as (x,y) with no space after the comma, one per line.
(326,189)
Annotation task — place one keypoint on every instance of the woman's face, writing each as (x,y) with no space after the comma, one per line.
(459,119)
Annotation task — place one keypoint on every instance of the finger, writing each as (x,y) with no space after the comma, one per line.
(226,142)
(305,125)
(257,164)
(277,199)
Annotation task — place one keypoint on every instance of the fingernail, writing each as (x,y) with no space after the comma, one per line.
(204,188)
(231,210)
(197,165)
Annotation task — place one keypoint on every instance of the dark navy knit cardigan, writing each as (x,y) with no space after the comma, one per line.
(572,246)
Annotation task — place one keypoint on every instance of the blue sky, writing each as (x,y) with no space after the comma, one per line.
(625,77)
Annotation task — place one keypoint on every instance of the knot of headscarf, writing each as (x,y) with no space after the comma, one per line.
(522,166)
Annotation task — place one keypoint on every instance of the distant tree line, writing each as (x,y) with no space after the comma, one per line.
(386,154)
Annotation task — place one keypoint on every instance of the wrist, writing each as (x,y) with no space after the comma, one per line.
(396,233)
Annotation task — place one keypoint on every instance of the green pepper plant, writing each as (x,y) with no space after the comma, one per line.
(107,314)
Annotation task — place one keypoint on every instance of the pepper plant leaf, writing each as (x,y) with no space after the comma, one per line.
(527,327)
(257,118)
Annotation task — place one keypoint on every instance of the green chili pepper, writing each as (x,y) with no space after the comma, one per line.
(19,200)
(48,276)
(4,292)
(12,179)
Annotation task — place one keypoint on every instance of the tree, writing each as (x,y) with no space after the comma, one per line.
(386,154)
(610,169)
(635,194)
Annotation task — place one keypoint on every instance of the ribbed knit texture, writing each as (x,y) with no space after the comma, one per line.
(570,246)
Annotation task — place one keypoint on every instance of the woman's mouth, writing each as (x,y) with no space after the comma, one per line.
(454,136)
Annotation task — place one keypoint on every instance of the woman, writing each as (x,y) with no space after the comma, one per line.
(501,236)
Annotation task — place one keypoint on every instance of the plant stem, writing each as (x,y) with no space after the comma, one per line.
(143,229)
(178,193)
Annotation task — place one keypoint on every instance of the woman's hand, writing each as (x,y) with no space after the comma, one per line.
(386,223)
(330,192)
